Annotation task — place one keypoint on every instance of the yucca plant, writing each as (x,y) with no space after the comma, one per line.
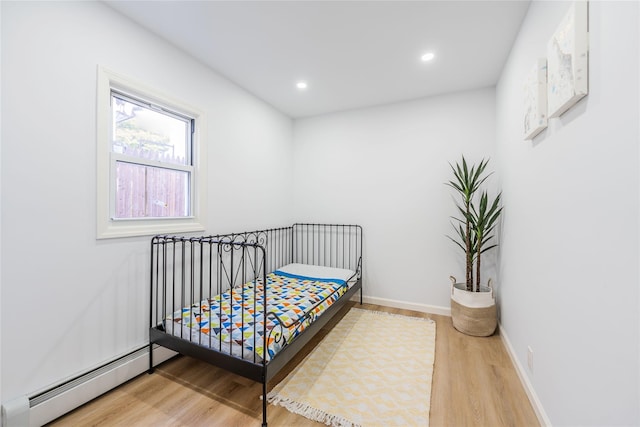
(475,225)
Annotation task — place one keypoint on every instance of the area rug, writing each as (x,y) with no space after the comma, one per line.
(372,369)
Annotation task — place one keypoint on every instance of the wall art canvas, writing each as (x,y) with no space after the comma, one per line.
(568,60)
(535,100)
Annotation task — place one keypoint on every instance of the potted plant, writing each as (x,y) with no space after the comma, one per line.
(473,308)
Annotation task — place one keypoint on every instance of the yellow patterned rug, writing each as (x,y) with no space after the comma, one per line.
(372,369)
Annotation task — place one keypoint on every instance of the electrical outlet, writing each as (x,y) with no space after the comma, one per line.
(530,358)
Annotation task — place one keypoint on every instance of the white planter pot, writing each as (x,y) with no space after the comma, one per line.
(473,313)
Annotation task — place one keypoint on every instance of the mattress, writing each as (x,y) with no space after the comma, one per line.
(296,295)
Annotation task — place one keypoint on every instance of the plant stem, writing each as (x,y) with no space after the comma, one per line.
(469,248)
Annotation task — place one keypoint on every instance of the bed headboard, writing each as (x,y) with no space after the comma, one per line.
(329,245)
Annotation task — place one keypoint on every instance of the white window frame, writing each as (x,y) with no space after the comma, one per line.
(107,226)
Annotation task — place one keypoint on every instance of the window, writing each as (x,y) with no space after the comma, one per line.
(151,157)
(148,174)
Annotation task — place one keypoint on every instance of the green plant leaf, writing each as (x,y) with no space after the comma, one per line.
(478,214)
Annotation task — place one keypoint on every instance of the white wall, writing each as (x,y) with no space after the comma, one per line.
(70,302)
(569,254)
(385,168)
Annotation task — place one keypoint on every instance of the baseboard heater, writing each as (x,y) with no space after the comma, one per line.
(45,406)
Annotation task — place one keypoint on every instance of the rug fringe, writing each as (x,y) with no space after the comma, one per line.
(424,319)
(309,412)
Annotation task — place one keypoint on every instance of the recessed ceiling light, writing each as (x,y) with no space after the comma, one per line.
(428,56)
(301,85)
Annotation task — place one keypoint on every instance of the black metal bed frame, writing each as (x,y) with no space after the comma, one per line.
(188,270)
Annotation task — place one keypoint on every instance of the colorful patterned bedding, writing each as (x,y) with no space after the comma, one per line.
(234,321)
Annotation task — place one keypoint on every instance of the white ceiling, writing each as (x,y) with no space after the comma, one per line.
(353,54)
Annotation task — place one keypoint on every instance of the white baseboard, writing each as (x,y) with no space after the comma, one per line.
(44,408)
(524,379)
(423,308)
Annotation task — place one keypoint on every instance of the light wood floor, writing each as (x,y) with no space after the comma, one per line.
(474,384)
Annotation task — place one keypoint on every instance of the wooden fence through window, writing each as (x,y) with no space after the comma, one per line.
(151,192)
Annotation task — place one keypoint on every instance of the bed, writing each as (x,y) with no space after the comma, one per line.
(248,302)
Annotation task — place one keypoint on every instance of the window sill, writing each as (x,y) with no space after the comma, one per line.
(136,228)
